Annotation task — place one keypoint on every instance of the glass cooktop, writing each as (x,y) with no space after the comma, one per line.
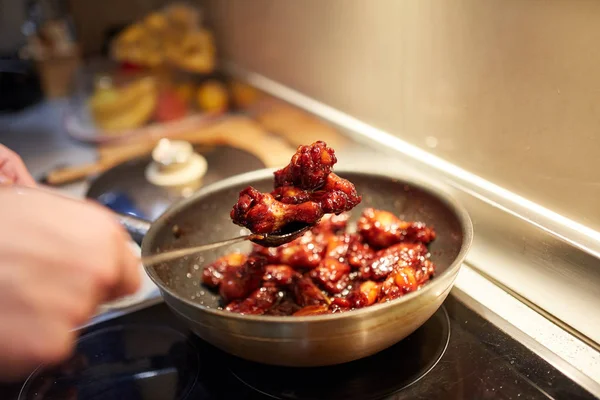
(150,355)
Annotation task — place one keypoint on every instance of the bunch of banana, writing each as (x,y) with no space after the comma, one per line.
(121,108)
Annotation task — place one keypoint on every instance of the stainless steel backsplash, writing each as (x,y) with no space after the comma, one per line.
(506,89)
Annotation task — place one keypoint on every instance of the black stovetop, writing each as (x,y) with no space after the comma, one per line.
(149,354)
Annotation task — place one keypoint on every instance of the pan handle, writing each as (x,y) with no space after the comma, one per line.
(136,227)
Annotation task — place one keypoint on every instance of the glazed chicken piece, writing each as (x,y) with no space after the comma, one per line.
(264,213)
(332,275)
(336,196)
(304,252)
(425,272)
(309,167)
(339,304)
(259,302)
(307,251)
(382,229)
(337,247)
(333,272)
(285,306)
(359,254)
(212,275)
(364,295)
(399,255)
(280,275)
(237,283)
(331,224)
(261,213)
(397,284)
(304,191)
(291,195)
(312,310)
(306,293)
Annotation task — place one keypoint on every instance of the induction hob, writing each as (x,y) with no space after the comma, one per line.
(150,354)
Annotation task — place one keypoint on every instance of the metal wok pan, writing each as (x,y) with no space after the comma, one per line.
(311,340)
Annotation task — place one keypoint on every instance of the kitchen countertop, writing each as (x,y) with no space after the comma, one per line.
(38,136)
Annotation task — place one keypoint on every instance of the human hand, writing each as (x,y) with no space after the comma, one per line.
(59,259)
(13,170)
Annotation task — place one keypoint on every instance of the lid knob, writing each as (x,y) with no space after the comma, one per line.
(175,164)
(172,154)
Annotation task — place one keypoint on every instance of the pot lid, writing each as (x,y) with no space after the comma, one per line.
(133,188)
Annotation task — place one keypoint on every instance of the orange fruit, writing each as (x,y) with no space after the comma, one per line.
(212,96)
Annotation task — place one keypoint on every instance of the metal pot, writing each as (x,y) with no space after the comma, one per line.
(312,340)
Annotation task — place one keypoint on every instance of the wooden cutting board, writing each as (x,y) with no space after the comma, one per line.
(293,124)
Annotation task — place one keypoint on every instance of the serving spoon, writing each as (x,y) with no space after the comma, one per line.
(284,235)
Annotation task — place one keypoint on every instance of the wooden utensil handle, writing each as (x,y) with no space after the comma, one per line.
(66,175)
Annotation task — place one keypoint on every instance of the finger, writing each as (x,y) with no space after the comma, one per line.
(22,173)
(129,265)
(13,169)
(123,264)
(74,297)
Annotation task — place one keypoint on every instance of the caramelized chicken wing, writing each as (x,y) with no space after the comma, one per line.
(364,294)
(304,191)
(237,283)
(291,195)
(304,252)
(331,224)
(337,247)
(397,284)
(337,195)
(399,255)
(318,309)
(261,213)
(264,213)
(359,254)
(333,272)
(259,301)
(212,275)
(425,272)
(286,306)
(309,167)
(382,229)
(331,275)
(281,275)
(306,293)
(340,303)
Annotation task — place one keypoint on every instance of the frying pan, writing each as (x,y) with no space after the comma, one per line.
(310,340)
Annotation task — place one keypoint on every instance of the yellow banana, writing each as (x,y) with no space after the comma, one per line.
(134,116)
(108,101)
